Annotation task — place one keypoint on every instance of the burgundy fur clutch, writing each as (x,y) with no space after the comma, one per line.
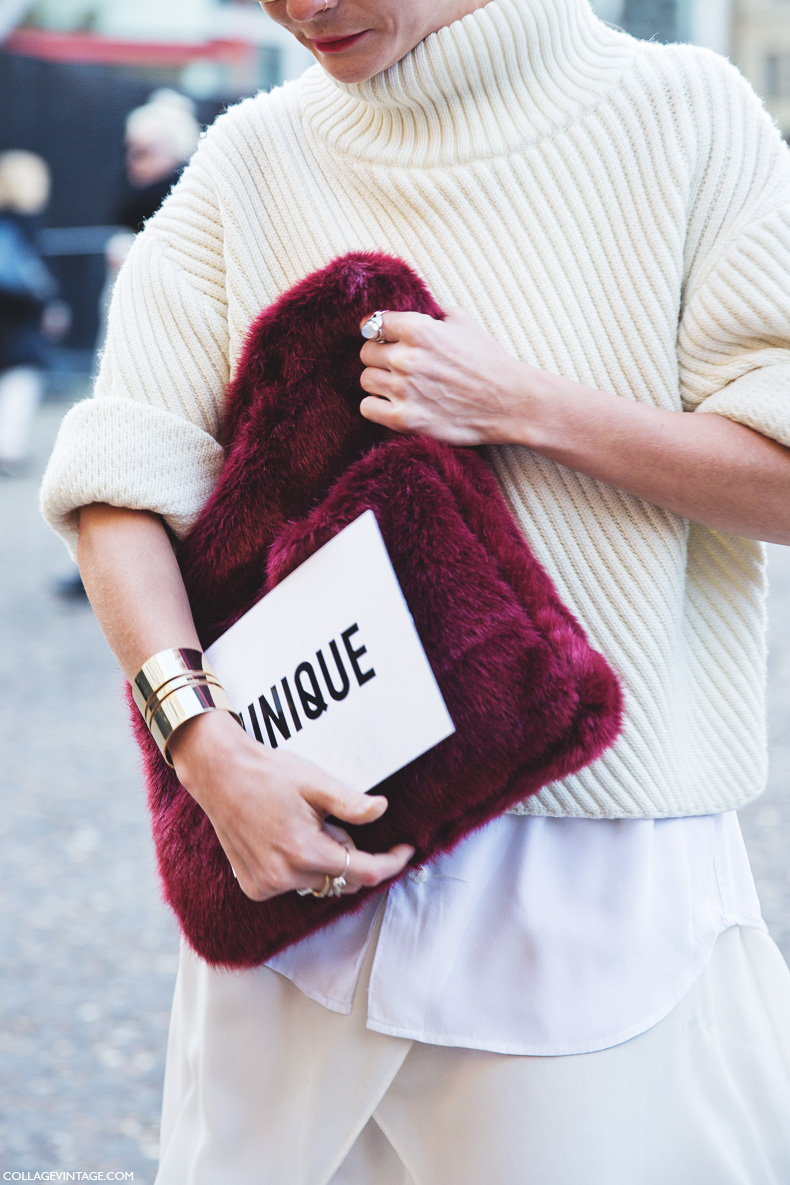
(531,701)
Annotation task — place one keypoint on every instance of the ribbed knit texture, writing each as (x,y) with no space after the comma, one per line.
(614,211)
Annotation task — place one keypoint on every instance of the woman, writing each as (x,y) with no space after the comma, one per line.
(584,989)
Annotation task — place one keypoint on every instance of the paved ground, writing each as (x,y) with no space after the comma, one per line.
(87,951)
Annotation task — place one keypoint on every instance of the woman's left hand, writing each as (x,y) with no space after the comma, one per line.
(450,380)
(446,379)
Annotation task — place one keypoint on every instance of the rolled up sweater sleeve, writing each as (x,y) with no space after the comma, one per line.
(148,439)
(734,335)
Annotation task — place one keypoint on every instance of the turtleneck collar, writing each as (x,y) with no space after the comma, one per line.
(492,82)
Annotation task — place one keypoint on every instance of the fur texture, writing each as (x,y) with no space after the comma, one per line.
(531,701)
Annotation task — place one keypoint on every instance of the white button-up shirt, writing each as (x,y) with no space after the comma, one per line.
(538,935)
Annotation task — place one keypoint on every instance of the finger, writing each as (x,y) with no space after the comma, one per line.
(400,326)
(373,324)
(309,858)
(330,798)
(377,354)
(376,381)
(333,864)
(369,869)
(339,834)
(358,869)
(381,411)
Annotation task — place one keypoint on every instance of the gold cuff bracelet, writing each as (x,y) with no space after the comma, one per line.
(175,686)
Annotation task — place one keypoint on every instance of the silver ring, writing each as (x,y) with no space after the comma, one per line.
(333,886)
(371,330)
(339,882)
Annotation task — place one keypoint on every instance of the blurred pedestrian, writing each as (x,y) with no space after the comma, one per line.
(26,288)
(161,136)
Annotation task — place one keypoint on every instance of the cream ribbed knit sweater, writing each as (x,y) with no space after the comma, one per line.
(611,210)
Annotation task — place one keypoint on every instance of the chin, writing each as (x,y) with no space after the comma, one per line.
(350,73)
(354,67)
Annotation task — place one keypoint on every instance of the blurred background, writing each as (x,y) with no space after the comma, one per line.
(70,73)
(101,102)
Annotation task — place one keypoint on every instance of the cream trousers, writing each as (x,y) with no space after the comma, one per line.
(266,1087)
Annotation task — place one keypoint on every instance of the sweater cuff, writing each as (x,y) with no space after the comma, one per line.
(759,399)
(132,455)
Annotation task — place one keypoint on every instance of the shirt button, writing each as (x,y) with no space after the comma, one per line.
(418,875)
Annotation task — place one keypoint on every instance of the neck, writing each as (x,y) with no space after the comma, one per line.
(454,10)
(506,74)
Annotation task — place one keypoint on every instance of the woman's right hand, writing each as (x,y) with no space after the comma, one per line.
(268,808)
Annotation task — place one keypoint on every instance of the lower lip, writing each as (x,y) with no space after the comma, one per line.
(338,46)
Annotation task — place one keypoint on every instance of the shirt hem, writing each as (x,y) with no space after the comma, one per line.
(596,1045)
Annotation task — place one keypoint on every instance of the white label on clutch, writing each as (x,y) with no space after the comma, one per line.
(329,664)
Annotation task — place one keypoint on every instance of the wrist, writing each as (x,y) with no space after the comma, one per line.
(531,396)
(200,746)
(554,410)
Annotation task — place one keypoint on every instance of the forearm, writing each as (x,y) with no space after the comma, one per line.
(701,467)
(134,583)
